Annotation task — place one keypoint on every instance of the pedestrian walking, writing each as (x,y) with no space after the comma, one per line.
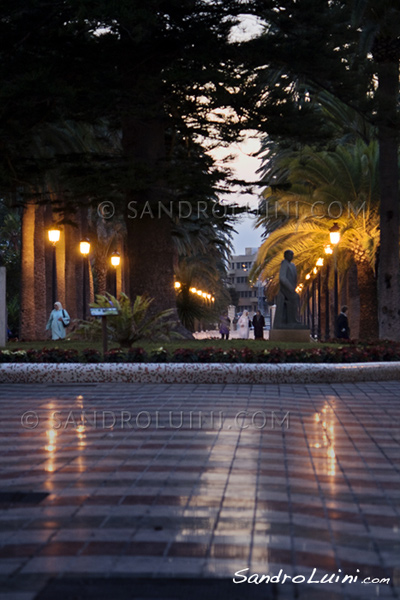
(224,325)
(342,325)
(58,321)
(244,326)
(258,324)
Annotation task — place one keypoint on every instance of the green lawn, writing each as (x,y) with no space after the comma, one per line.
(170,346)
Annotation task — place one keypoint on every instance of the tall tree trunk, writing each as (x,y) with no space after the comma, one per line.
(367,285)
(388,268)
(27,320)
(100,274)
(353,301)
(73,274)
(150,244)
(41,315)
(151,259)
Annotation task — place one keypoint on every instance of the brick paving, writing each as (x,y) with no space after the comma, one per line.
(166,491)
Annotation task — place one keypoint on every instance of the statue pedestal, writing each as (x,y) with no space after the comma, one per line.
(290,335)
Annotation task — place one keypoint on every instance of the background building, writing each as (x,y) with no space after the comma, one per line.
(248,297)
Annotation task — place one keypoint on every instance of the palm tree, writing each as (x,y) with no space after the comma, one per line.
(319,183)
(380,24)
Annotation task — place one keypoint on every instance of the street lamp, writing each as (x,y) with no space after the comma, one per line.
(115,261)
(54,237)
(334,235)
(328,251)
(84,248)
(319,263)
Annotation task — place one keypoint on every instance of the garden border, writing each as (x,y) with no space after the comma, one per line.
(198,372)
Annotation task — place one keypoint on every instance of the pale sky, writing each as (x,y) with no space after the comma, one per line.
(244,166)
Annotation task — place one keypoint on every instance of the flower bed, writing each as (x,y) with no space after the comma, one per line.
(344,353)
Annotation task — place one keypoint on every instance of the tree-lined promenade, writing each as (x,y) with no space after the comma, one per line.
(120,103)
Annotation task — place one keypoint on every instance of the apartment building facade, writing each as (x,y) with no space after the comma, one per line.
(250,297)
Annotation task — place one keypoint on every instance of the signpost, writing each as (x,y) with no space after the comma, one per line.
(104,312)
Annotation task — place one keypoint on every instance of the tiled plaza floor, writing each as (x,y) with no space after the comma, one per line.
(119,491)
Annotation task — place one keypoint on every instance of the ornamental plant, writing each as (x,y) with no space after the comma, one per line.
(132,323)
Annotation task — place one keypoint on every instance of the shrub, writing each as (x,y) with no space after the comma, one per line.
(136,355)
(90,355)
(185,355)
(132,323)
(159,356)
(116,355)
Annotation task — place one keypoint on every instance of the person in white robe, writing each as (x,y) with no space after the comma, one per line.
(243,325)
(59,319)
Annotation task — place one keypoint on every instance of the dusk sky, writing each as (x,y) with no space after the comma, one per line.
(245,166)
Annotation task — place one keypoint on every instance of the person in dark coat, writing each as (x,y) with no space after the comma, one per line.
(258,324)
(342,325)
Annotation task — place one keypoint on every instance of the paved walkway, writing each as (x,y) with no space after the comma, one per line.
(115,491)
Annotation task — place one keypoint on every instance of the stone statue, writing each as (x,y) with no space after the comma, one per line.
(288,300)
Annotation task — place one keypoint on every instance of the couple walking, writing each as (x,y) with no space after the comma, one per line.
(258,323)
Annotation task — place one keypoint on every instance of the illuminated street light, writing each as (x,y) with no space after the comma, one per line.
(84,248)
(115,259)
(334,234)
(115,262)
(54,237)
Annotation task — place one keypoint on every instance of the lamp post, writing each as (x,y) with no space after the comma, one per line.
(319,263)
(308,314)
(54,237)
(334,235)
(115,261)
(84,248)
(328,250)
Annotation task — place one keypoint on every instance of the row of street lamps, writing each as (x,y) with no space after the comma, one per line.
(334,237)
(54,235)
(204,295)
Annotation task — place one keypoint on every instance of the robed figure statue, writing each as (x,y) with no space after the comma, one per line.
(288,300)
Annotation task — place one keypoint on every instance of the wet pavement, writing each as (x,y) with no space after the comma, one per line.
(114,491)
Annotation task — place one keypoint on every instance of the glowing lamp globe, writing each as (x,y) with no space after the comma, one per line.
(84,247)
(334,234)
(54,235)
(115,259)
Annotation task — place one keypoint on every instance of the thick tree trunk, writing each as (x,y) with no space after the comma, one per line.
(388,268)
(73,272)
(367,285)
(151,260)
(41,315)
(352,300)
(27,320)
(150,244)
(100,275)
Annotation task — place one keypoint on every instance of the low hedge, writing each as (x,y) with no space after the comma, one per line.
(343,353)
